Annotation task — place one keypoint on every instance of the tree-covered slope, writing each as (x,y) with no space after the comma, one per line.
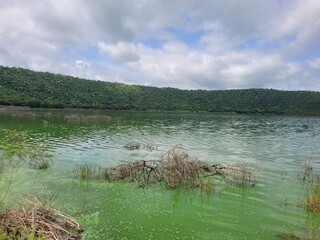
(38,89)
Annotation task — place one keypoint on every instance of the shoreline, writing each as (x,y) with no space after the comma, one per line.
(14,107)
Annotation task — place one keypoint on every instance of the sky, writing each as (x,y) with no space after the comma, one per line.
(186,44)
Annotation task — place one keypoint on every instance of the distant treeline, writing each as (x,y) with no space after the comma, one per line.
(22,87)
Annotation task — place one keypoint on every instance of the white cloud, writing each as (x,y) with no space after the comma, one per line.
(240,44)
(315,63)
(298,26)
(121,52)
(178,65)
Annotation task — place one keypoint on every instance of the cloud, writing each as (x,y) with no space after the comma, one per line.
(186,44)
(121,52)
(298,27)
(176,64)
(315,63)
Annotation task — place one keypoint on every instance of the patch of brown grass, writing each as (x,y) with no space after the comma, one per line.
(179,168)
(312,202)
(175,168)
(39,221)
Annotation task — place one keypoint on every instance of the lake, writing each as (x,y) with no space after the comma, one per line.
(277,145)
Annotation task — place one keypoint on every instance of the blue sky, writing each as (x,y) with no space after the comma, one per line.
(194,44)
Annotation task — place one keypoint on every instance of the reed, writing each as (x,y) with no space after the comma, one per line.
(307,170)
(312,200)
(89,172)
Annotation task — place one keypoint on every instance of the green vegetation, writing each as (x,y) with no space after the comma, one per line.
(312,179)
(312,203)
(23,87)
(288,236)
(86,172)
(38,220)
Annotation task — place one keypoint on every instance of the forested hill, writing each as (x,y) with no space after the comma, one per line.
(23,87)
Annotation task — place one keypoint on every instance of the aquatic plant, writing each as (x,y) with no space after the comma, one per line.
(38,221)
(312,201)
(307,170)
(87,171)
(83,171)
(207,185)
(288,236)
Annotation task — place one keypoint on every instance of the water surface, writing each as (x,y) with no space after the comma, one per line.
(279,145)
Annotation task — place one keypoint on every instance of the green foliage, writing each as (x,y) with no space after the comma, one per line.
(23,87)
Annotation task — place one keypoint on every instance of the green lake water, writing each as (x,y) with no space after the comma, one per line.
(278,145)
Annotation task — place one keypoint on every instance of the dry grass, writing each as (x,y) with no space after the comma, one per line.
(312,201)
(244,173)
(179,168)
(142,172)
(39,221)
(175,168)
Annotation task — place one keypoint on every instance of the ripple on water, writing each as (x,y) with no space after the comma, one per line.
(278,145)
